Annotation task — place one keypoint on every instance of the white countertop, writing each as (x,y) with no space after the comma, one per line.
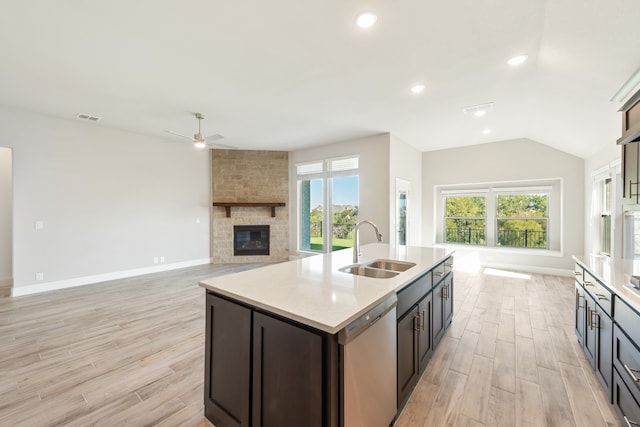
(614,274)
(312,291)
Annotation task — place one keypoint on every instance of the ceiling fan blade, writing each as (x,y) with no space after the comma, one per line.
(179,134)
(222,146)
(213,137)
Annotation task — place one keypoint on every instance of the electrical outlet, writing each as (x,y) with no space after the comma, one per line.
(39,225)
(39,276)
(162,260)
(155,259)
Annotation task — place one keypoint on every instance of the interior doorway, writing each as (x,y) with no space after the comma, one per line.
(6,221)
(402,239)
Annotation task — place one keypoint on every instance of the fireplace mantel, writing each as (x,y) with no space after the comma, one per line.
(228,205)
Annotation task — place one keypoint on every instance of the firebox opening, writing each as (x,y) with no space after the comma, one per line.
(250,240)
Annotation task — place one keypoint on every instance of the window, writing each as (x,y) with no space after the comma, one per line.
(327,204)
(605,216)
(465,219)
(500,215)
(521,220)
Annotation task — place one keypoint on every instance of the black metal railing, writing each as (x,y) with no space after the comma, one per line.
(512,238)
(468,235)
(522,238)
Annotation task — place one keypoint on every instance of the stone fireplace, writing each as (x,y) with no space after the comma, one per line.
(250,189)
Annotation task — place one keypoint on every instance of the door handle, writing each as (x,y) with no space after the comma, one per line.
(422,315)
(591,319)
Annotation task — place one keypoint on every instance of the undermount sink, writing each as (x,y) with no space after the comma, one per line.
(362,270)
(389,264)
(378,268)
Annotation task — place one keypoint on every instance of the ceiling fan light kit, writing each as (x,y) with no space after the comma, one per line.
(200,141)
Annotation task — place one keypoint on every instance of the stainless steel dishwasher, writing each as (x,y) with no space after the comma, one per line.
(368,349)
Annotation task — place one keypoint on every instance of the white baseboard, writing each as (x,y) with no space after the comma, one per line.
(88,280)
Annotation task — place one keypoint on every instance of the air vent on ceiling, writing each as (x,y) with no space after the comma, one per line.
(87,117)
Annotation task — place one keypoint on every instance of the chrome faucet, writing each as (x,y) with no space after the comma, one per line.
(356,240)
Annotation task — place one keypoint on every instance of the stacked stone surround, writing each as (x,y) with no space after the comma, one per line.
(250,177)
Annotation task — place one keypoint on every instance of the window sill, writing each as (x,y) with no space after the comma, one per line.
(512,251)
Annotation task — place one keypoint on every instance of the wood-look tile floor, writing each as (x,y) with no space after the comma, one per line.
(123,353)
(130,353)
(510,358)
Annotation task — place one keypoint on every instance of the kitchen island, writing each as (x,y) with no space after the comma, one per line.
(273,355)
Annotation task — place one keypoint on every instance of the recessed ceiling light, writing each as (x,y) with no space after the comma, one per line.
(478,110)
(366,20)
(417,88)
(486,131)
(517,60)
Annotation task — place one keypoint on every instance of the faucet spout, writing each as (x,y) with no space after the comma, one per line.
(356,238)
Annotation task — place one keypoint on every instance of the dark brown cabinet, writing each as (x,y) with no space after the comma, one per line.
(594,326)
(630,174)
(408,366)
(287,374)
(423,313)
(425,345)
(227,362)
(264,371)
(442,307)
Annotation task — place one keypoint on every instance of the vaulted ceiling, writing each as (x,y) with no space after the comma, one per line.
(282,75)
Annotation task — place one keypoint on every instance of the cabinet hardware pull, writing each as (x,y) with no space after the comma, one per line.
(438,273)
(416,322)
(588,283)
(422,320)
(577,273)
(578,296)
(629,422)
(448,265)
(589,321)
(600,296)
(591,318)
(631,372)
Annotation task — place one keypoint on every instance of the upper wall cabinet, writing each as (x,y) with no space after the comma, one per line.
(631,120)
(630,140)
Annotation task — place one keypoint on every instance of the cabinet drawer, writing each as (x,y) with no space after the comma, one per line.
(599,293)
(623,398)
(442,269)
(412,293)
(628,320)
(626,359)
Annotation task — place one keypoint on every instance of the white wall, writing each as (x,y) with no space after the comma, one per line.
(374,180)
(5,216)
(405,162)
(110,201)
(514,160)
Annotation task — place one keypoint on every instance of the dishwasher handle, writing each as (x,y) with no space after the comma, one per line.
(362,323)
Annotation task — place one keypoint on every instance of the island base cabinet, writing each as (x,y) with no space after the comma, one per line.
(263,371)
(408,328)
(625,402)
(287,374)
(227,363)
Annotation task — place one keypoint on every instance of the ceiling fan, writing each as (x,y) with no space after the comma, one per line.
(200,141)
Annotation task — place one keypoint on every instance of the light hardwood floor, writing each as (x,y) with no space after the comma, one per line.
(510,358)
(130,353)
